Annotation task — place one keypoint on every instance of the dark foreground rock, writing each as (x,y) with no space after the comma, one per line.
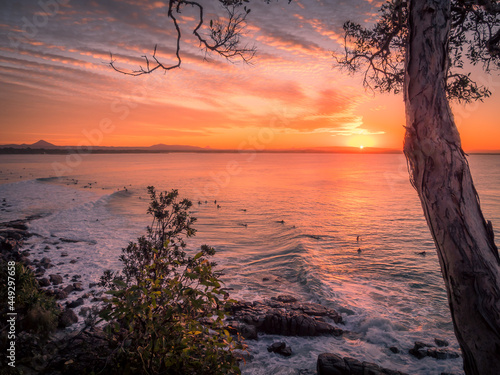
(67,318)
(332,364)
(284,316)
(280,348)
(422,350)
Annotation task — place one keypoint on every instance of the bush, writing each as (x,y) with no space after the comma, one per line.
(37,312)
(167,308)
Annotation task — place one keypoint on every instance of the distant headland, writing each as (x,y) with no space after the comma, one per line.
(44,147)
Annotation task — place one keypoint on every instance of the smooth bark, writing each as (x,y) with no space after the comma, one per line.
(439,171)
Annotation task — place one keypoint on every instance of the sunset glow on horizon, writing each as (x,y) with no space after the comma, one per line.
(57,86)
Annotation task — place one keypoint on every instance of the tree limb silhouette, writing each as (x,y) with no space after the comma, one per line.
(223,39)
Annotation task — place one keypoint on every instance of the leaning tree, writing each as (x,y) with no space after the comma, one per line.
(419,48)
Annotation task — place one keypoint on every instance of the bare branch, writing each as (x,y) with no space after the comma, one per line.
(224,38)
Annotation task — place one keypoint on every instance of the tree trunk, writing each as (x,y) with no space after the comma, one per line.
(439,171)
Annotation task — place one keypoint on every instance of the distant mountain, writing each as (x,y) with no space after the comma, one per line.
(37,145)
(43,144)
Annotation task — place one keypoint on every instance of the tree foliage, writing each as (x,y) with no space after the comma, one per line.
(167,308)
(378,52)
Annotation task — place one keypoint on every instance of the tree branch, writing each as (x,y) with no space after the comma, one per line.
(224,38)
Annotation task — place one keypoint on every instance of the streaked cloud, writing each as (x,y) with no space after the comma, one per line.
(55,77)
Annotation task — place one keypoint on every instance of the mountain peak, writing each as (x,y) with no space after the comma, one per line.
(42,144)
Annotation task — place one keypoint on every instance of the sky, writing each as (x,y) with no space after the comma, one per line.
(56,84)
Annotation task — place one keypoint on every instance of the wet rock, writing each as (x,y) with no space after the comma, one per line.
(13,233)
(84,311)
(332,364)
(56,279)
(64,254)
(287,319)
(443,353)
(394,349)
(67,318)
(73,261)
(441,342)
(248,332)
(40,271)
(76,303)
(45,262)
(285,298)
(92,285)
(44,282)
(60,294)
(78,287)
(421,350)
(68,289)
(280,348)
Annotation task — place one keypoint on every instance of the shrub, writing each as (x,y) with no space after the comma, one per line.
(37,312)
(167,307)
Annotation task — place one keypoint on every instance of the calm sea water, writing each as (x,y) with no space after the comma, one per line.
(291,218)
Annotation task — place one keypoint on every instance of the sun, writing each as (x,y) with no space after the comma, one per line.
(361,147)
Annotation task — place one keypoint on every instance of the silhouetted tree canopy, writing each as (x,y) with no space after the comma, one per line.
(379,51)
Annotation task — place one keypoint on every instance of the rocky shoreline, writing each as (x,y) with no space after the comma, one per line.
(68,350)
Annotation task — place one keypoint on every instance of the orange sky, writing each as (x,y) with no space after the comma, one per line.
(56,85)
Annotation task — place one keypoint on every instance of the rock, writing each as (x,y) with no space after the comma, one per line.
(73,261)
(40,271)
(394,349)
(64,254)
(332,364)
(43,282)
(442,353)
(61,294)
(78,287)
(56,279)
(287,319)
(248,332)
(84,311)
(422,350)
(76,303)
(92,285)
(45,262)
(441,343)
(68,289)
(285,298)
(67,318)
(280,348)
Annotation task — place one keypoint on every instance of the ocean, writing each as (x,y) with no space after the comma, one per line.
(286,224)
